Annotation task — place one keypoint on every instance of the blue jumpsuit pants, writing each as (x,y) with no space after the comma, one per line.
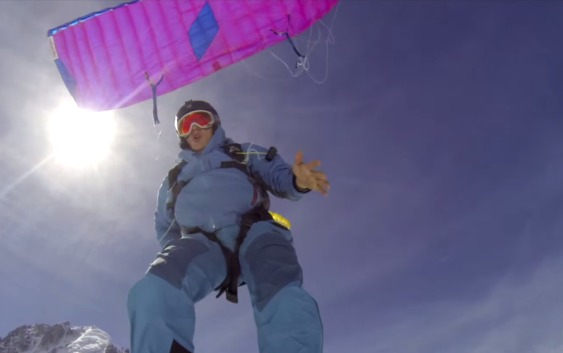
(161,304)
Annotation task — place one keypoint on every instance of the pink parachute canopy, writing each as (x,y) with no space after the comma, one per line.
(104,58)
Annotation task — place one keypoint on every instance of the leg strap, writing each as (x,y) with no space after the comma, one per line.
(230,284)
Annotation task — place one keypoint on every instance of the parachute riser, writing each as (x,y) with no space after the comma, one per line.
(290,41)
(154,95)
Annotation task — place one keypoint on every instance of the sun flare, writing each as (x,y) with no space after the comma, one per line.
(80,137)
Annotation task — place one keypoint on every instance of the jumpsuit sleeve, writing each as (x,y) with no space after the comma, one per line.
(165,226)
(276,174)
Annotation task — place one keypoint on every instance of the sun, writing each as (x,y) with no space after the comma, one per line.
(80,137)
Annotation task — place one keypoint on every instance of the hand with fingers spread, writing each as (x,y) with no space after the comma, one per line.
(308,178)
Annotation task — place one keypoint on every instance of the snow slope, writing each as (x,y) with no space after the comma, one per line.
(59,338)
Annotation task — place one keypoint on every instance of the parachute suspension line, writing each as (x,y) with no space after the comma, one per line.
(153,88)
(302,58)
(288,37)
(303,63)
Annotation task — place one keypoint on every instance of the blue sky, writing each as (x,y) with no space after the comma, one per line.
(440,127)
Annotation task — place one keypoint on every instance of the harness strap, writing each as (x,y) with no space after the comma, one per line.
(257,214)
(229,286)
(234,150)
(175,185)
(236,165)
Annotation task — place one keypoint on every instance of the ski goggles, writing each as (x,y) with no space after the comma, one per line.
(200,118)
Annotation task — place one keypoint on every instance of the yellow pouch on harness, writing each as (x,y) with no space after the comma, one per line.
(279,219)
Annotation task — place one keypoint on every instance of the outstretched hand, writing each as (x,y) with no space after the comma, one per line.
(308,178)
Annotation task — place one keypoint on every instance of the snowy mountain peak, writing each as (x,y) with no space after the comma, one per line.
(59,338)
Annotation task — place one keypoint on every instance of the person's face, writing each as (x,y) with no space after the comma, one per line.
(199,138)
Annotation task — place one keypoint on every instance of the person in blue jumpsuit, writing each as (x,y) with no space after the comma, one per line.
(203,206)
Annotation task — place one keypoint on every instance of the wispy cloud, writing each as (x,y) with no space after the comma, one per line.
(520,314)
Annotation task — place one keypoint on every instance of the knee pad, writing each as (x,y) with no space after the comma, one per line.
(273,265)
(172,263)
